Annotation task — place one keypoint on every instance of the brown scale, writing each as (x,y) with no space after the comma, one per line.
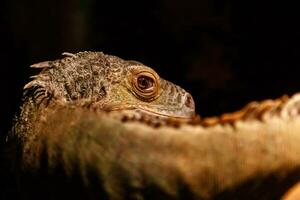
(253,110)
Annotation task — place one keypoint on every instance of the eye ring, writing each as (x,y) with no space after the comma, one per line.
(146,84)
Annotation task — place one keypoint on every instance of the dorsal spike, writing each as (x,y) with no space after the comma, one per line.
(69,54)
(44,64)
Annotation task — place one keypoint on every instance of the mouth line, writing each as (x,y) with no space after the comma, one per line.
(147,111)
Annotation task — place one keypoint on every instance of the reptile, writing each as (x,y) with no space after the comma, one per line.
(123,132)
(108,83)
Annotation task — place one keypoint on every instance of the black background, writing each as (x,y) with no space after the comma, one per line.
(225,53)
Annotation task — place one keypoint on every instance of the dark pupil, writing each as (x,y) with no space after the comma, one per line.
(145,82)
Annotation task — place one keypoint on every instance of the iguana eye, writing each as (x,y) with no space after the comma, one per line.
(145,84)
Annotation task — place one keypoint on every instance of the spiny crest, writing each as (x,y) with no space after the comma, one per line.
(284,107)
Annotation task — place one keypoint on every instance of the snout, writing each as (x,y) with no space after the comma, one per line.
(189,101)
(188,105)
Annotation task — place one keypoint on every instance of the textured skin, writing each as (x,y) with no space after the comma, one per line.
(254,155)
(282,107)
(106,82)
(249,154)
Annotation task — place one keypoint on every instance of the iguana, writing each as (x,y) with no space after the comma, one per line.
(97,126)
(107,83)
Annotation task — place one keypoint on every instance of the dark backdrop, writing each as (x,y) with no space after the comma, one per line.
(225,53)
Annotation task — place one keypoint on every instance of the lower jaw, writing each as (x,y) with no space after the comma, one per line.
(138,114)
(128,108)
(162,115)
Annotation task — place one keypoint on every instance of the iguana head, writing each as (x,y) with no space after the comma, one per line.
(109,83)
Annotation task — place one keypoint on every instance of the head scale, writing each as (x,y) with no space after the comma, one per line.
(109,83)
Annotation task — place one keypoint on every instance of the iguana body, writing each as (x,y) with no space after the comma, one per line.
(69,118)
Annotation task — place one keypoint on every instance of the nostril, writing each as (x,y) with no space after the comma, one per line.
(189,102)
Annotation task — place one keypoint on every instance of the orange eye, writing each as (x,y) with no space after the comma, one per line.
(145,84)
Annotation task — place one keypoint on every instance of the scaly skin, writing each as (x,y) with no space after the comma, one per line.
(250,157)
(108,83)
(68,121)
